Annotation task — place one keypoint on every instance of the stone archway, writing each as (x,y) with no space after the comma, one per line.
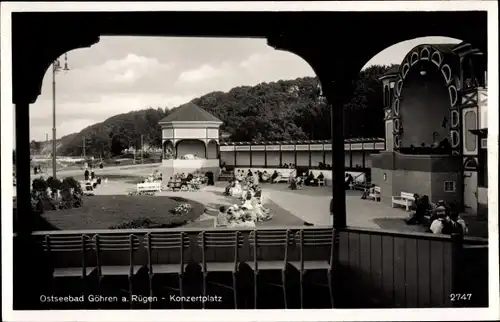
(427,55)
(212,149)
(168,150)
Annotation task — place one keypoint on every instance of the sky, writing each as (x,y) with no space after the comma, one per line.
(122,74)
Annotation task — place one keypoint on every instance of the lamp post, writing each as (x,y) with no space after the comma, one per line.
(56,67)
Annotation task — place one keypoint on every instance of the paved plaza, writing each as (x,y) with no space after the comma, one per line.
(290,208)
(308,204)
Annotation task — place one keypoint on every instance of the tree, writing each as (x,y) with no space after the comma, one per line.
(118,144)
(275,111)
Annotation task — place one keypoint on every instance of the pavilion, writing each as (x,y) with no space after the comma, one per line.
(190,140)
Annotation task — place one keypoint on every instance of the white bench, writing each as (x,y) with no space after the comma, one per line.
(375,193)
(282,178)
(405,199)
(149,186)
(88,188)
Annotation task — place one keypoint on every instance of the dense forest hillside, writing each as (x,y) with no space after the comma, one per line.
(282,110)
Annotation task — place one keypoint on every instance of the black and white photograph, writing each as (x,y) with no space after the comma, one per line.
(253,160)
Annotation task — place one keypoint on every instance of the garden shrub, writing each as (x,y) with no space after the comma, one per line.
(39,185)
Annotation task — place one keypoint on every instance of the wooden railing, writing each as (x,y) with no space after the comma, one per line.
(371,268)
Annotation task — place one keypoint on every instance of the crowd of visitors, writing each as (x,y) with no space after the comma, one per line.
(251,209)
(440,218)
(187,182)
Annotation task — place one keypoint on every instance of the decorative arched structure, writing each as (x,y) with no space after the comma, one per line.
(441,58)
(452,173)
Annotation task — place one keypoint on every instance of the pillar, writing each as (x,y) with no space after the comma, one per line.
(337,89)
(23,169)
(251,155)
(351,152)
(363,157)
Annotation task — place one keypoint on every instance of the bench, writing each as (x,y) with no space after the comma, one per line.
(149,186)
(405,199)
(282,178)
(375,193)
(88,188)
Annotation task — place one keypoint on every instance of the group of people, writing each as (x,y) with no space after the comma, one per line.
(249,212)
(307,179)
(443,218)
(183,181)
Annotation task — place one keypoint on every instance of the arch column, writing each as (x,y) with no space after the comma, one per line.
(24,214)
(336,78)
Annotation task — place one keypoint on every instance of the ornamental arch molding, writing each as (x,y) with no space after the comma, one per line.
(437,59)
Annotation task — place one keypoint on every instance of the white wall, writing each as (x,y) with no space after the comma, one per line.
(243,158)
(212,150)
(227,157)
(273,158)
(316,157)
(258,158)
(288,157)
(303,158)
(190,133)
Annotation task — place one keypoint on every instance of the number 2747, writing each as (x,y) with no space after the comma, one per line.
(460,296)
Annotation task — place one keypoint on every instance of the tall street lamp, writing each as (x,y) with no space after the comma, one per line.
(56,67)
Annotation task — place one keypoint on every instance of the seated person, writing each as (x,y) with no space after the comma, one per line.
(321,176)
(439,211)
(293,184)
(453,224)
(189,177)
(265,176)
(221,219)
(274,176)
(420,208)
(310,179)
(249,174)
(439,218)
(236,190)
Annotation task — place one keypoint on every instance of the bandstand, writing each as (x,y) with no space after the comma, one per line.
(190,140)
(435,121)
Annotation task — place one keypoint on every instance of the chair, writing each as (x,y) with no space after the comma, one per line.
(169,242)
(321,182)
(312,244)
(259,239)
(215,240)
(116,243)
(69,244)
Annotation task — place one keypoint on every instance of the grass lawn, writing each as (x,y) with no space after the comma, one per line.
(103,212)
